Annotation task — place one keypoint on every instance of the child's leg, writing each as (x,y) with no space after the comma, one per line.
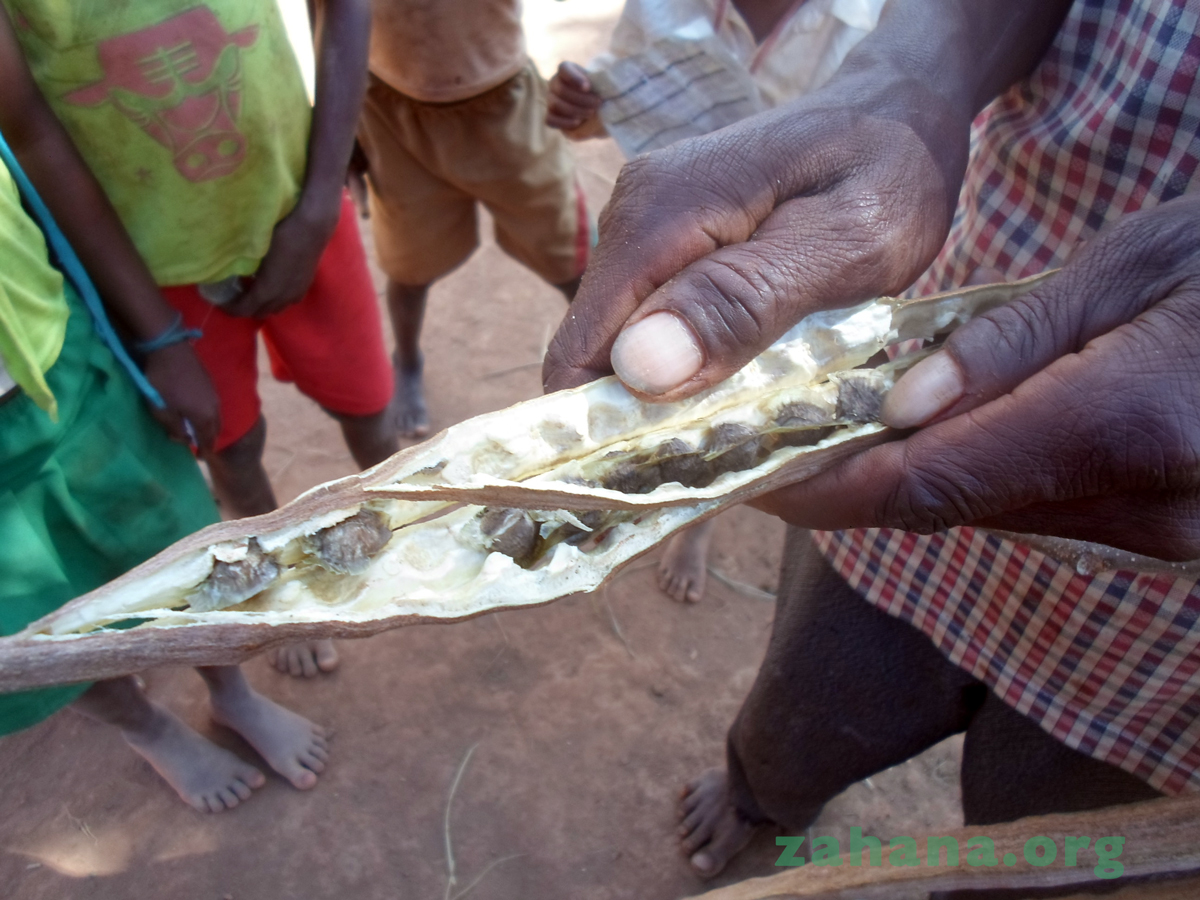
(241,484)
(406,309)
(371,439)
(205,776)
(239,479)
(228,350)
(292,746)
(683,569)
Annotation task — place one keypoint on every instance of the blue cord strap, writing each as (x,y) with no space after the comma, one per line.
(75,273)
(175,333)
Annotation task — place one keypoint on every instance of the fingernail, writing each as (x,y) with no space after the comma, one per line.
(657,354)
(930,387)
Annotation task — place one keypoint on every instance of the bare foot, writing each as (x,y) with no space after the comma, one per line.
(683,569)
(205,776)
(412,417)
(305,659)
(712,831)
(292,746)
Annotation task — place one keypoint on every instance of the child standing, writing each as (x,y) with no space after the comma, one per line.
(454,116)
(90,485)
(195,120)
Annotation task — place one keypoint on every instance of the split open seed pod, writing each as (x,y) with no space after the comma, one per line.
(510,509)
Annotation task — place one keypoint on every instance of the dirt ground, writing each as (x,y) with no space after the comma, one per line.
(582,719)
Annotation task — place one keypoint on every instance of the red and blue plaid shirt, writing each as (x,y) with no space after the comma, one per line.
(1108,664)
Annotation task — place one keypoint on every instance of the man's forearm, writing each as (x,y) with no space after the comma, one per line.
(968,51)
(343,30)
(943,61)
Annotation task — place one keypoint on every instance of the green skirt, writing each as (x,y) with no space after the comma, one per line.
(84,499)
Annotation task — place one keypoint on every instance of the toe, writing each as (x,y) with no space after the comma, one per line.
(692,842)
(241,790)
(693,793)
(302,778)
(692,821)
(699,834)
(327,656)
(308,662)
(295,665)
(704,864)
(312,762)
(228,798)
(320,752)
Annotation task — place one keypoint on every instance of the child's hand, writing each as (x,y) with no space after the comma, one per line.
(572,103)
(356,181)
(178,375)
(287,271)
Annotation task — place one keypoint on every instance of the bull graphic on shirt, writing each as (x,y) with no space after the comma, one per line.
(180,81)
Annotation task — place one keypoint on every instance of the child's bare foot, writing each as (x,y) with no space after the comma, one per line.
(712,831)
(683,569)
(306,659)
(292,746)
(205,776)
(412,416)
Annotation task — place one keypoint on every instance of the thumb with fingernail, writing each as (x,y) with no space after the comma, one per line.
(657,353)
(930,388)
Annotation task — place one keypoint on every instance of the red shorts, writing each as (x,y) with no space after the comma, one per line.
(330,343)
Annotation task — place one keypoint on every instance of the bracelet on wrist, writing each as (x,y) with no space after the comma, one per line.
(175,333)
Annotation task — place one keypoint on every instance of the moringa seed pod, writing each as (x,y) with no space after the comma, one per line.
(515,508)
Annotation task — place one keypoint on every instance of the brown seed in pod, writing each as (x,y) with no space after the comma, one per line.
(733,448)
(348,547)
(583,482)
(679,461)
(231,583)
(802,424)
(592,518)
(860,395)
(512,531)
(799,414)
(637,475)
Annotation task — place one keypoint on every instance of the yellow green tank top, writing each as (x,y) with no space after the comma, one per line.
(193,116)
(33,309)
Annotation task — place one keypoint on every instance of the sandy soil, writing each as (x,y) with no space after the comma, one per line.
(582,719)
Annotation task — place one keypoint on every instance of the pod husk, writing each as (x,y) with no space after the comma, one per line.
(539,455)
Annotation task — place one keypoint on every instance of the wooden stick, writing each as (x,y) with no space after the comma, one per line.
(1187,889)
(1161,837)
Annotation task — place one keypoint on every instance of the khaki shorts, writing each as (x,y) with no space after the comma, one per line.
(431,162)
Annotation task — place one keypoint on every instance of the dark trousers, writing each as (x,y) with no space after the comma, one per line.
(846,691)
